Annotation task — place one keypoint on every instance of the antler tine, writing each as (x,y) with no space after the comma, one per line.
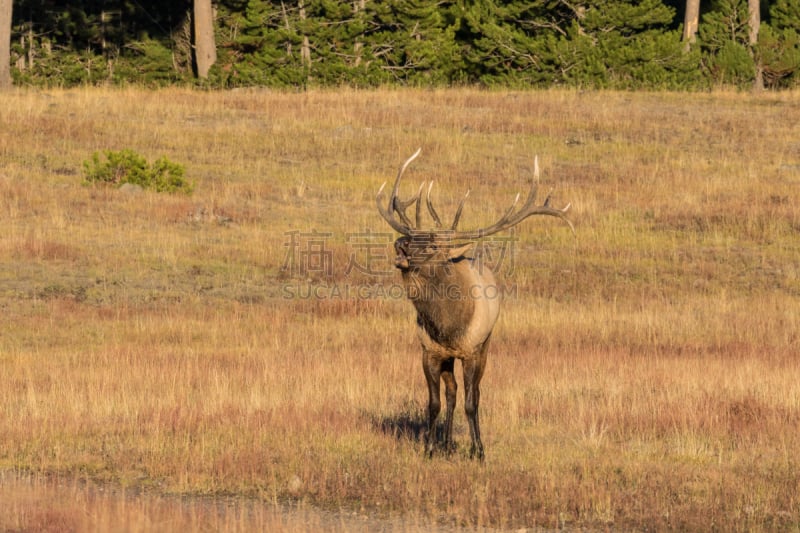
(388,214)
(565,219)
(418,199)
(402,170)
(400,207)
(395,204)
(458,211)
(431,210)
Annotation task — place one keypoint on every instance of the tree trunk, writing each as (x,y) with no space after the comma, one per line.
(305,48)
(205,48)
(358,46)
(288,28)
(690,22)
(5,44)
(754,21)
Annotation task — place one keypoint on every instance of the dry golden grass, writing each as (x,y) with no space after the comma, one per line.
(643,375)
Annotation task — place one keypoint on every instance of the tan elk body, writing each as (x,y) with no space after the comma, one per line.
(456,298)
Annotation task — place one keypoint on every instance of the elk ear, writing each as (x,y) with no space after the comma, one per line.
(459,251)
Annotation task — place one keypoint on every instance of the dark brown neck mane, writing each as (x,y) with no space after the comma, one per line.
(442,299)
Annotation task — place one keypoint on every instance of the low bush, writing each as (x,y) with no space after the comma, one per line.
(127,166)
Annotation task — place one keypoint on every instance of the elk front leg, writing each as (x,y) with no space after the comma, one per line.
(450,389)
(473,372)
(433,370)
(472,397)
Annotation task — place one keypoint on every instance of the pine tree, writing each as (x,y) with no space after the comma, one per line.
(778,49)
(587,43)
(266,48)
(413,41)
(511,43)
(785,14)
(724,37)
(633,43)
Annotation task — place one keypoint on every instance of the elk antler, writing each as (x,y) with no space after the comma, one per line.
(512,218)
(398,206)
(509,219)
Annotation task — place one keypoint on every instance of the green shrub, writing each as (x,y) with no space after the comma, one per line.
(126,166)
(733,65)
(778,52)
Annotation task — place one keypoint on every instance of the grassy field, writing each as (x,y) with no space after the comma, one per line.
(644,374)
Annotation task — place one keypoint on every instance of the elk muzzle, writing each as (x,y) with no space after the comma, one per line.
(401,247)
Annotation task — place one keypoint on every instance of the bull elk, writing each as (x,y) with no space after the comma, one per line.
(456,298)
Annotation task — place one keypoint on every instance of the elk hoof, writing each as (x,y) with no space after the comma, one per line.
(476,452)
(429,450)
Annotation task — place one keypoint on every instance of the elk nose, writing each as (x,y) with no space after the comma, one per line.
(402,247)
(401,261)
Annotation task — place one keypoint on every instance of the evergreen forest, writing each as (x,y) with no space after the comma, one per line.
(617,44)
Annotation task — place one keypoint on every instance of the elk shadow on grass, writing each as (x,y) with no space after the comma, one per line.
(405,425)
(410,423)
